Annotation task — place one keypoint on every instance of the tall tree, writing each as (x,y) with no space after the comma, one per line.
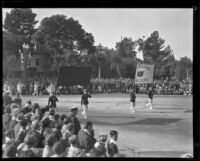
(155,52)
(65,39)
(124,59)
(21,22)
(184,68)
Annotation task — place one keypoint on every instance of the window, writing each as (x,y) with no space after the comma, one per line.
(37,62)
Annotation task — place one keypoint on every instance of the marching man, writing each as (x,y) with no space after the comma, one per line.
(19,88)
(84,102)
(51,89)
(132,100)
(36,88)
(150,95)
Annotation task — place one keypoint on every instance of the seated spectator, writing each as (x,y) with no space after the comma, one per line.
(112,144)
(26,150)
(85,137)
(6,118)
(18,100)
(58,150)
(99,151)
(10,151)
(102,138)
(49,142)
(73,150)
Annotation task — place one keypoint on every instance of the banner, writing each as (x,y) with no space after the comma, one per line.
(144,73)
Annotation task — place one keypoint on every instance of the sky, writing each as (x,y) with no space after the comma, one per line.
(108,26)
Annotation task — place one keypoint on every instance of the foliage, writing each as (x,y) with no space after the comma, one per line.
(65,39)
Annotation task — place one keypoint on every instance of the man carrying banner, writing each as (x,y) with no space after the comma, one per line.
(144,75)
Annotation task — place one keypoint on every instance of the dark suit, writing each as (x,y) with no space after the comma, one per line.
(7,100)
(6,121)
(112,149)
(73,119)
(85,140)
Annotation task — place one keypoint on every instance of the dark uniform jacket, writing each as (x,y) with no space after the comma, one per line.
(84,99)
(132,97)
(52,101)
(112,149)
(85,140)
(73,119)
(150,94)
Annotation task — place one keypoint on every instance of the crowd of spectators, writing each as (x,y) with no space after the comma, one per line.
(119,85)
(34,131)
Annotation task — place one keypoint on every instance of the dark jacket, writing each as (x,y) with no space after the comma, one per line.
(85,140)
(84,99)
(150,94)
(132,97)
(73,119)
(52,101)
(6,121)
(112,149)
(7,100)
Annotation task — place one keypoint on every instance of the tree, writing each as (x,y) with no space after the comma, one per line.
(124,59)
(155,52)
(65,39)
(21,23)
(184,68)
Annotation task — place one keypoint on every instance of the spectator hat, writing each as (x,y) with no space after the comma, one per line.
(103,137)
(28,116)
(73,108)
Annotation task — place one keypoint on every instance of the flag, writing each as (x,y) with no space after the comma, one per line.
(144,73)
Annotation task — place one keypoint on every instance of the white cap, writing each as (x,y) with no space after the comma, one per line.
(73,107)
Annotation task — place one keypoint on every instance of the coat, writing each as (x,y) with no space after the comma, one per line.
(85,140)
(112,149)
(73,119)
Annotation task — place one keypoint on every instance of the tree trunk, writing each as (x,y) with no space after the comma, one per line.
(99,73)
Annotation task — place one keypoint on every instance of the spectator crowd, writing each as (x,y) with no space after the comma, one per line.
(119,85)
(34,131)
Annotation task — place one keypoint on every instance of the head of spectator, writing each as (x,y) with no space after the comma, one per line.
(99,151)
(102,138)
(88,126)
(30,141)
(45,123)
(74,110)
(73,140)
(23,123)
(50,140)
(47,132)
(62,117)
(29,102)
(16,111)
(58,149)
(8,136)
(114,135)
(10,151)
(35,125)
(57,117)
(35,106)
(20,117)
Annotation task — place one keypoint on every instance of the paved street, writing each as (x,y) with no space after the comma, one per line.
(165,131)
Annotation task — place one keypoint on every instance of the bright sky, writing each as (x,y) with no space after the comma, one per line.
(109,25)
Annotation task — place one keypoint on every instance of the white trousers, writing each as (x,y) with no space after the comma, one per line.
(85,109)
(132,106)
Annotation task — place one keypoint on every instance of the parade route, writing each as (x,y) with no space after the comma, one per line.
(165,131)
